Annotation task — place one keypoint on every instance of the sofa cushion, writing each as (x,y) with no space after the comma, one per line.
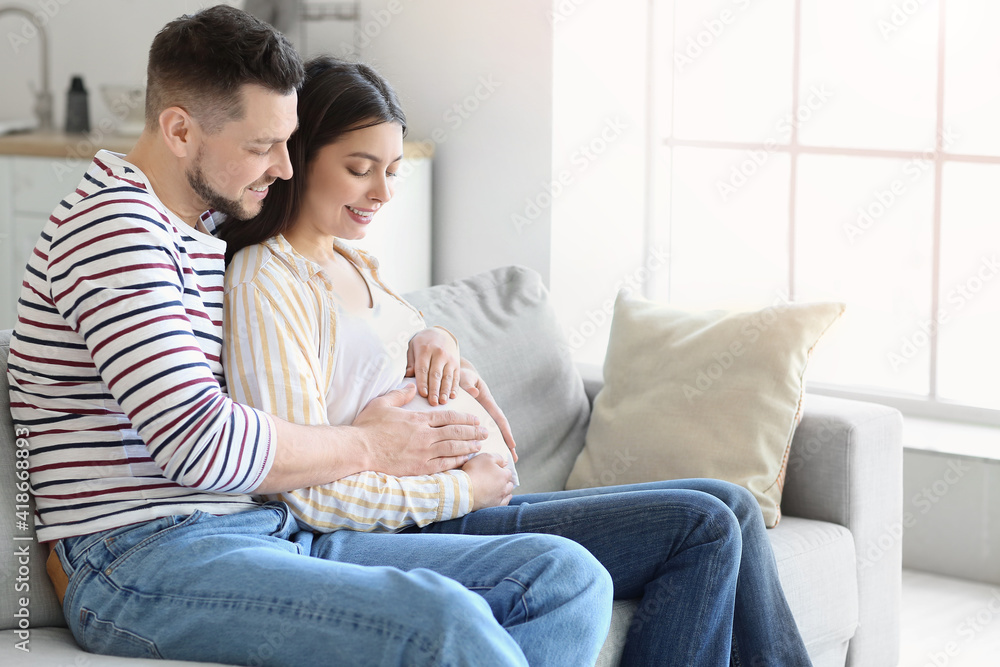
(701,394)
(43,608)
(818,573)
(55,647)
(508,330)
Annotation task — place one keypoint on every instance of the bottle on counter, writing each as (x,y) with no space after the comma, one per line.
(77,109)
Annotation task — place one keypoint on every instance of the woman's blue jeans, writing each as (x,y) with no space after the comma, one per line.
(694,550)
(251,588)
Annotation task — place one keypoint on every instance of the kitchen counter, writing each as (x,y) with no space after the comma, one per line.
(62,145)
(80,146)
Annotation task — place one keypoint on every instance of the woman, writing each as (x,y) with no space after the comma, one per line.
(343,337)
(694,551)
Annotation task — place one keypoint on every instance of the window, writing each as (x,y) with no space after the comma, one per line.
(840,151)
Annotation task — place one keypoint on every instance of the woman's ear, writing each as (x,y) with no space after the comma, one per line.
(177,128)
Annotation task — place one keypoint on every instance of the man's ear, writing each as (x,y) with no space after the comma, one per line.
(178,130)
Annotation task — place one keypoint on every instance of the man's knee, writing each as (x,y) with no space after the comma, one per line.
(573,565)
(455,622)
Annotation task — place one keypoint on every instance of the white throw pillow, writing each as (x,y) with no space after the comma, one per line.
(701,394)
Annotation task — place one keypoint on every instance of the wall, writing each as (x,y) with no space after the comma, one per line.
(599,166)
(484,98)
(106,41)
(950,521)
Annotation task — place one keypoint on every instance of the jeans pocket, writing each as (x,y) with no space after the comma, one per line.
(123,546)
(99,636)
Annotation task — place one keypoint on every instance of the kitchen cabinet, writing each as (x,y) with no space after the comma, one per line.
(36,175)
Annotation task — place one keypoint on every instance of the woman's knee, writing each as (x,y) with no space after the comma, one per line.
(741,502)
(712,520)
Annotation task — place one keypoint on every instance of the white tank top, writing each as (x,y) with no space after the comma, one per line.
(369,354)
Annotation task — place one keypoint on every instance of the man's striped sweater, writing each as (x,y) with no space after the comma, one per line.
(115,372)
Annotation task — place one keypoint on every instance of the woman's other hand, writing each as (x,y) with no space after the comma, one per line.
(432,359)
(491,481)
(475,386)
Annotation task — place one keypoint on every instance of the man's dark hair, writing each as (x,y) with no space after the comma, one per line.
(201,61)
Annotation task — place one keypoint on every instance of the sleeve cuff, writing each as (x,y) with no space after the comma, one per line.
(269,445)
(460,501)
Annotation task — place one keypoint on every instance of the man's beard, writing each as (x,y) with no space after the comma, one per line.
(232,208)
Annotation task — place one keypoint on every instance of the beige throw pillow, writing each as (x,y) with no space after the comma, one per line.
(701,394)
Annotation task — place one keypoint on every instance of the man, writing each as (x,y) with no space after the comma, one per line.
(142,467)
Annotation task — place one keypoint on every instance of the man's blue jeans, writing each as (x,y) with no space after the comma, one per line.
(252,589)
(243,589)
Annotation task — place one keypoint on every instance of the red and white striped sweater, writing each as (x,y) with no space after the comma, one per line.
(115,368)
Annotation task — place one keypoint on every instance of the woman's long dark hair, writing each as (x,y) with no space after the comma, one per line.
(337,97)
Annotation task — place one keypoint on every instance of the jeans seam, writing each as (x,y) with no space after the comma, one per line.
(427,643)
(524,597)
(133,637)
(546,527)
(524,594)
(79,574)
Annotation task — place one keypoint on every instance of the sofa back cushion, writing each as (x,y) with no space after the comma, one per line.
(507,328)
(22,558)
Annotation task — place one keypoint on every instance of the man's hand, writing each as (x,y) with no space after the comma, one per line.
(491,481)
(432,359)
(476,387)
(402,442)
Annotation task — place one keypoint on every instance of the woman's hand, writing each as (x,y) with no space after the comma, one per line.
(476,387)
(491,481)
(432,359)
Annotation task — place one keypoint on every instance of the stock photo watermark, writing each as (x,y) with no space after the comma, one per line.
(585,155)
(900,14)
(40,17)
(711,31)
(967,630)
(563,10)
(882,200)
(958,298)
(750,333)
(598,317)
(366,33)
(756,158)
(923,503)
(22,538)
(454,117)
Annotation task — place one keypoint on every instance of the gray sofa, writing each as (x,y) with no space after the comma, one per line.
(837,545)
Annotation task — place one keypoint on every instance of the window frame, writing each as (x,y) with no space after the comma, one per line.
(930,407)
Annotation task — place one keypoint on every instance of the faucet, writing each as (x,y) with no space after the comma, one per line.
(43,97)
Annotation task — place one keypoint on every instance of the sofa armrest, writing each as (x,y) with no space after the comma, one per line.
(846,467)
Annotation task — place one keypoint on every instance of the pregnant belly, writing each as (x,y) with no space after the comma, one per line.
(464,402)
